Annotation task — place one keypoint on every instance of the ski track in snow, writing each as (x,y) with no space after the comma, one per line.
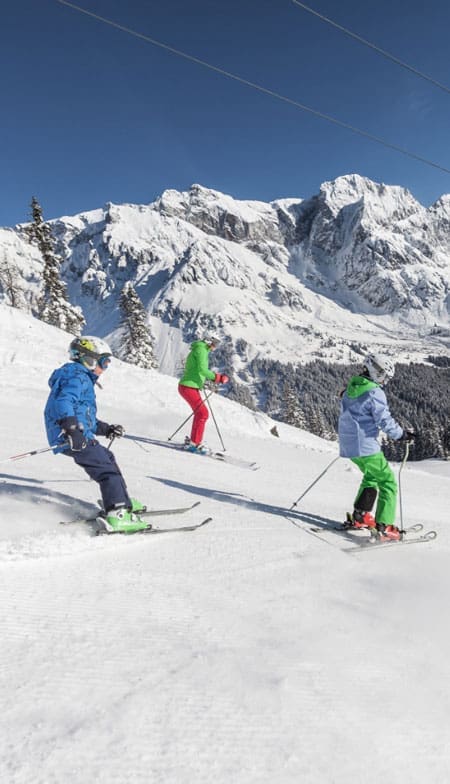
(247,652)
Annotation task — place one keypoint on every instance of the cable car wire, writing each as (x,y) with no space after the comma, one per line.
(255,86)
(372,46)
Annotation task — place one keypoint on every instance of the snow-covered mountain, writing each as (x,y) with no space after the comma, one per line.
(360,264)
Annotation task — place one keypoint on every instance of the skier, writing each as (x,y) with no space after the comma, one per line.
(71,424)
(196,372)
(364,412)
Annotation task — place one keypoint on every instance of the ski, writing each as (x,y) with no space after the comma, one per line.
(175,511)
(147,513)
(368,544)
(236,461)
(362,542)
(345,528)
(179,529)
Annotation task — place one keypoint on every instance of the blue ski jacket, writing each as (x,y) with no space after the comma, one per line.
(72,394)
(364,412)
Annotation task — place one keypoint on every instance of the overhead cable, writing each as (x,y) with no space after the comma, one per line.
(255,86)
(372,46)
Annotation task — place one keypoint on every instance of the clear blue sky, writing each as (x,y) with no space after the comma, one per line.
(91,114)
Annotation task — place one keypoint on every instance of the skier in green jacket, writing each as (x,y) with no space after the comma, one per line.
(196,372)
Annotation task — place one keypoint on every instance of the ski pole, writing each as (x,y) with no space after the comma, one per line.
(400,485)
(138,444)
(191,415)
(30,454)
(217,427)
(313,483)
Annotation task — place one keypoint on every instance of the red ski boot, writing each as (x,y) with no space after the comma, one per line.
(362,519)
(388,533)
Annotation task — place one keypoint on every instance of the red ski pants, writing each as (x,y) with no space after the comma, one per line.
(193,397)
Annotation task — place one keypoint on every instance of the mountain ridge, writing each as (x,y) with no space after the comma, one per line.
(358,265)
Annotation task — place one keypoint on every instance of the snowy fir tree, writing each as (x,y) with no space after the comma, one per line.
(53,305)
(10,285)
(292,412)
(137,342)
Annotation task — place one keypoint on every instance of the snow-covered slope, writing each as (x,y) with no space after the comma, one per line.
(359,265)
(250,651)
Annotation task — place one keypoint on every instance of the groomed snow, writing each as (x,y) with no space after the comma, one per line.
(248,652)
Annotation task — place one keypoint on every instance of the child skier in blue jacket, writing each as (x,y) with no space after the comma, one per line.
(72,428)
(364,412)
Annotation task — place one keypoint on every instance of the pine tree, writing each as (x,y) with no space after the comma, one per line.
(446,441)
(292,411)
(53,305)
(9,283)
(316,422)
(137,342)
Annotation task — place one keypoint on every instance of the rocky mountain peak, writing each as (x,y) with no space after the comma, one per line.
(292,279)
(375,201)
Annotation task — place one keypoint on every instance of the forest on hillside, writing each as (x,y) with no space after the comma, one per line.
(308,397)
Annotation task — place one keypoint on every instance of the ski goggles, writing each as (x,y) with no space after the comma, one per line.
(104,361)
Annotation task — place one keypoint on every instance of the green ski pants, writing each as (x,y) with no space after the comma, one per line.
(379,475)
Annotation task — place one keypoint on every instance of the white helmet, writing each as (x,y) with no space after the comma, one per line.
(380,368)
(211,340)
(89,351)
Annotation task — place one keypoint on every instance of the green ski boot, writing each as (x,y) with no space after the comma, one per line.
(123,521)
(136,506)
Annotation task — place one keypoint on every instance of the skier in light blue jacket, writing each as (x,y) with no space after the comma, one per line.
(364,412)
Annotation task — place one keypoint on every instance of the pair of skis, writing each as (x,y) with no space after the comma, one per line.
(236,461)
(361,541)
(100,531)
(221,456)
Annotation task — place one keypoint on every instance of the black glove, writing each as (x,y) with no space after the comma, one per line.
(408,436)
(109,431)
(115,431)
(73,432)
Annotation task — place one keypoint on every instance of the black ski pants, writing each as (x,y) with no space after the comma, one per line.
(100,464)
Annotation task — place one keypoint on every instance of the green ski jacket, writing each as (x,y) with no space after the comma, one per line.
(196,370)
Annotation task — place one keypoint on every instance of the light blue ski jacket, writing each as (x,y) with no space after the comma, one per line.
(364,412)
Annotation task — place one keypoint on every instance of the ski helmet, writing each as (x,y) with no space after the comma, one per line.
(89,351)
(379,368)
(211,341)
